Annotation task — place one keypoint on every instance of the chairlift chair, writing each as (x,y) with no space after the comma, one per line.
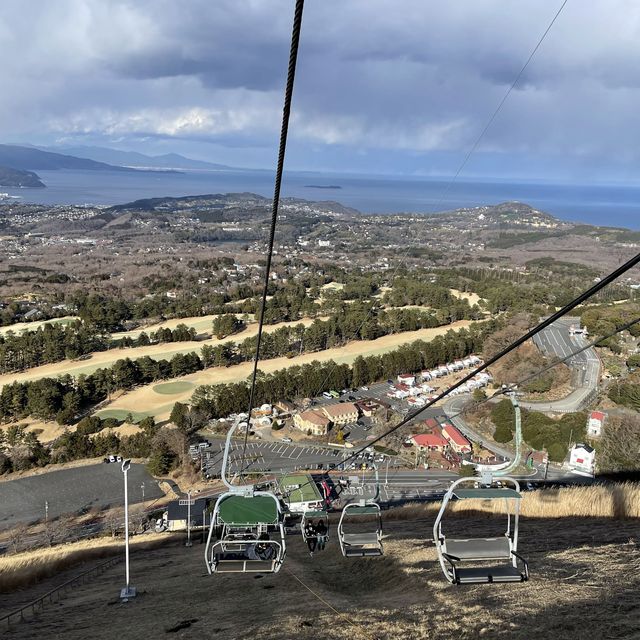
(308,516)
(364,543)
(243,521)
(482,560)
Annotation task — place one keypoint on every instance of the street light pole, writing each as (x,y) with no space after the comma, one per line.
(142,487)
(128,591)
(188,544)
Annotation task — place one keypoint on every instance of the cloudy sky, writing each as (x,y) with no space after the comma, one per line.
(384,86)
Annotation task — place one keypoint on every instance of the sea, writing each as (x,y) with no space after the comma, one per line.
(607,205)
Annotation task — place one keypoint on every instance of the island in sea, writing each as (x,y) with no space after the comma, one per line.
(322,186)
(19,178)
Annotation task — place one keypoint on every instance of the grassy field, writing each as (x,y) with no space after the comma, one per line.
(146,399)
(121,414)
(156,352)
(584,583)
(19,327)
(202,324)
(171,388)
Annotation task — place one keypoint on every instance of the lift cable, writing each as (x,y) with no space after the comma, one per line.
(286,112)
(511,387)
(635,260)
(440,201)
(497,110)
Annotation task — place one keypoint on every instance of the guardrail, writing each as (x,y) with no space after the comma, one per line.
(19,614)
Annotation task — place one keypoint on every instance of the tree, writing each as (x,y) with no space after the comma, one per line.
(503,433)
(161,460)
(180,416)
(467,471)
(479,395)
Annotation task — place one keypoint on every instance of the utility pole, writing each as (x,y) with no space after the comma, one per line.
(142,487)
(46,511)
(128,591)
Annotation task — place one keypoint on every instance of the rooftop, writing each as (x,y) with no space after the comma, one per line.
(316,417)
(340,409)
(300,487)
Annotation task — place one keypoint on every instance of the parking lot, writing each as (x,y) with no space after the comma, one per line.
(71,491)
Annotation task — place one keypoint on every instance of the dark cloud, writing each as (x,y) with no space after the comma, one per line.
(406,82)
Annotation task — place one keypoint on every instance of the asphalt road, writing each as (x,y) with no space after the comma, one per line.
(71,491)
(555,341)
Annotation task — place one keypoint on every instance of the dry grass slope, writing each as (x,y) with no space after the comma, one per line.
(585,583)
(22,569)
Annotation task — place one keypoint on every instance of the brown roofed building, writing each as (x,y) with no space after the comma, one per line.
(312,420)
(341,413)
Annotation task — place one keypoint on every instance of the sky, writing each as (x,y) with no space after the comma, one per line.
(383,86)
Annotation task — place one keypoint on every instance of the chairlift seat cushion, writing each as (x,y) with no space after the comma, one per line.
(360,552)
(490,493)
(233,565)
(248,510)
(360,538)
(480,548)
(481,575)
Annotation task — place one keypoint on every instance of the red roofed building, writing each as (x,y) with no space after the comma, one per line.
(595,424)
(430,442)
(457,441)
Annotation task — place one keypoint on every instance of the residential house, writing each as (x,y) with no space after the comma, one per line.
(407,378)
(595,424)
(582,459)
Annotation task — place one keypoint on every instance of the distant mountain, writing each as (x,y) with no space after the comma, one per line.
(18,157)
(17,178)
(134,159)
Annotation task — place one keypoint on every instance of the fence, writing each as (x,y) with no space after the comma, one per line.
(19,614)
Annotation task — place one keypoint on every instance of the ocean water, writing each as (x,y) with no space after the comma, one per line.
(592,204)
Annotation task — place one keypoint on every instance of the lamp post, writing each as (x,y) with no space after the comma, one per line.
(128,591)
(142,487)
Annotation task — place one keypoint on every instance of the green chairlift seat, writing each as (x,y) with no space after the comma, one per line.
(498,557)
(248,525)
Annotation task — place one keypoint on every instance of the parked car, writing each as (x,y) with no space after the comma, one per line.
(113,459)
(352,397)
(287,440)
(364,388)
(327,395)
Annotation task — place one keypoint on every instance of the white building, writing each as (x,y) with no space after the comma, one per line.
(582,458)
(407,378)
(595,424)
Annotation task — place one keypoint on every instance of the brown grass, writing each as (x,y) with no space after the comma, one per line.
(583,577)
(29,567)
(616,501)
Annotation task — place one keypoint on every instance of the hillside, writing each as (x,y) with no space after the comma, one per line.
(18,178)
(24,158)
(583,577)
(135,159)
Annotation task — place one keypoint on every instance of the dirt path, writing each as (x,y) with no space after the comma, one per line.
(146,399)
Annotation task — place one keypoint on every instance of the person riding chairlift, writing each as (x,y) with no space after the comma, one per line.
(311,537)
(321,531)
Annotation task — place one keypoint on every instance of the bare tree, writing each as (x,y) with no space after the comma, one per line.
(17,537)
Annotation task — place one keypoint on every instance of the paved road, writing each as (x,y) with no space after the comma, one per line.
(70,491)
(555,341)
